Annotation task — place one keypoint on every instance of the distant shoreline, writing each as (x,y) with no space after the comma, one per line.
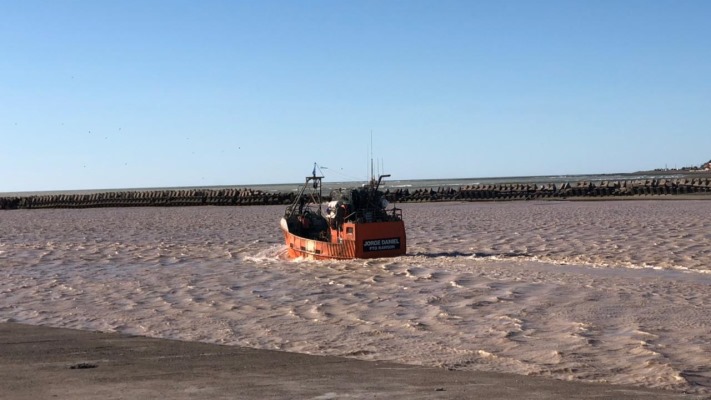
(690,173)
(596,187)
(428,183)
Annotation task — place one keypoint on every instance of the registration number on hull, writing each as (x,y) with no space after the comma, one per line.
(381,244)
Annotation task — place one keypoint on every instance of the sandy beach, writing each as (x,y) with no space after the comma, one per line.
(611,292)
(38,362)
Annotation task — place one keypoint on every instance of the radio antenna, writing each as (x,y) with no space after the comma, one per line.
(372,176)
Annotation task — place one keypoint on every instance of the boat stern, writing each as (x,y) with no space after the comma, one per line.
(379,239)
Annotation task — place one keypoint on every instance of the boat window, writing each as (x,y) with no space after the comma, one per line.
(349,230)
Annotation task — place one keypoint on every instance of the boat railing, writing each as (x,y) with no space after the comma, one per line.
(376,215)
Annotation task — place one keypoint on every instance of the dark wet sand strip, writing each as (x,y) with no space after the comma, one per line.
(39,362)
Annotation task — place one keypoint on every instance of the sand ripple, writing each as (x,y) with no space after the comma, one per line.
(614,292)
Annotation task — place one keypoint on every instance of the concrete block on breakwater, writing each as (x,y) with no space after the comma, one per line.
(581,190)
(138,198)
(246,197)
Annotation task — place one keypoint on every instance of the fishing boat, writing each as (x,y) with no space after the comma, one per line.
(357,223)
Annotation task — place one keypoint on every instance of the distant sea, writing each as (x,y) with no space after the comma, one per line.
(412,184)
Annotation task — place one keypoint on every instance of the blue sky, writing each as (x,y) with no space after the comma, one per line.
(127,94)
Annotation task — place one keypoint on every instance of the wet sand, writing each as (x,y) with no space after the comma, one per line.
(41,363)
(596,292)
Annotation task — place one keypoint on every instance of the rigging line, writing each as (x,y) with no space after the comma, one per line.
(349,177)
(320,169)
(332,171)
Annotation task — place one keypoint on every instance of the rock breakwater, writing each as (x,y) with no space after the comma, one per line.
(246,197)
(581,189)
(148,198)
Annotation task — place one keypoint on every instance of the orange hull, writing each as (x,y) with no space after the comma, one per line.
(352,240)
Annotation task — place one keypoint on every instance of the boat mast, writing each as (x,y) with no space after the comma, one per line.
(313,197)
